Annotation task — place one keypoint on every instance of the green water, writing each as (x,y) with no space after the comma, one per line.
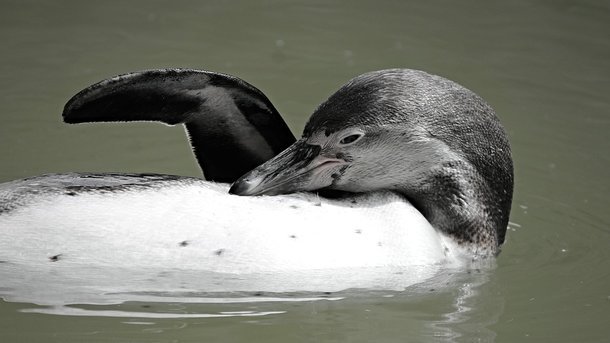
(543,65)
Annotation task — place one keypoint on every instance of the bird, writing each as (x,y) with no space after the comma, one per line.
(398,168)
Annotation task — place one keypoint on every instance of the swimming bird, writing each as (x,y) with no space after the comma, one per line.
(398,168)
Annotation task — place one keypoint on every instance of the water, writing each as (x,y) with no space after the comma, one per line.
(543,65)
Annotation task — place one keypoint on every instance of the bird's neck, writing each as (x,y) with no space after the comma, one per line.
(457,205)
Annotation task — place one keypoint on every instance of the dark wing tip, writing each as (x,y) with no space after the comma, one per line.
(149,95)
(78,109)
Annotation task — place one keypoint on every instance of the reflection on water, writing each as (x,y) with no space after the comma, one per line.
(459,291)
(461,320)
(76,311)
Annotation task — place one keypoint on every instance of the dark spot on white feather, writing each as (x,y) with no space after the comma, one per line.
(55,258)
(294,206)
(183,243)
(293,236)
(358,231)
(71,193)
(219,252)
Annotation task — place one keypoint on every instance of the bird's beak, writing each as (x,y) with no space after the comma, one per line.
(301,167)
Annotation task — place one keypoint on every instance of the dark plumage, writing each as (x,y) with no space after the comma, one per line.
(224,115)
(426,137)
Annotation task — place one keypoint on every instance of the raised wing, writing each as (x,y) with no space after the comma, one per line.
(232,125)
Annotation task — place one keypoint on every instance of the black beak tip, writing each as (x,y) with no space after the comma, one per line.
(240,187)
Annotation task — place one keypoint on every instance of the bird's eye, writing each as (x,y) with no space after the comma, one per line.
(350,139)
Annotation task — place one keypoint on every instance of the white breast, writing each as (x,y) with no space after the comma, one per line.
(200,229)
